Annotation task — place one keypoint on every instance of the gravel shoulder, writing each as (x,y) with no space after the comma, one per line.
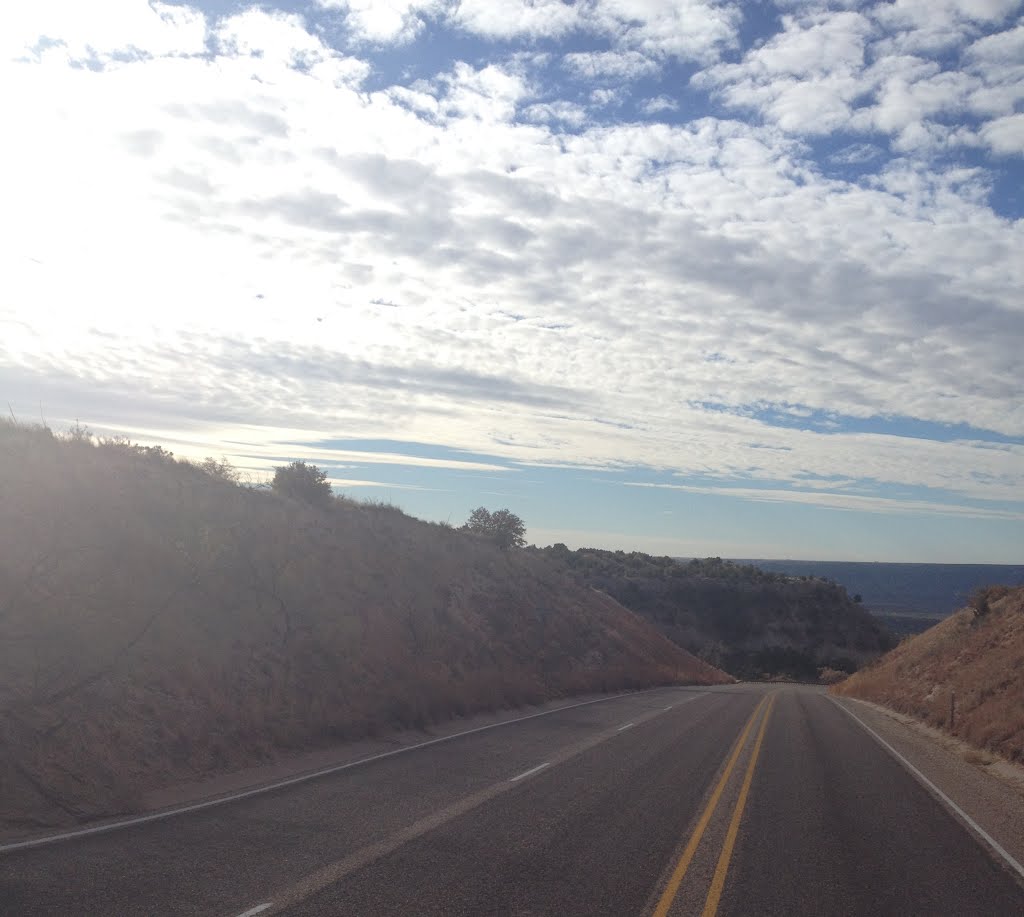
(988,788)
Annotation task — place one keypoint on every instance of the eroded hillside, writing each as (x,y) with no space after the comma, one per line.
(968,668)
(159,622)
(750,622)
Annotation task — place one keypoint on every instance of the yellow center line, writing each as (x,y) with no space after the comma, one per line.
(668,896)
(718,882)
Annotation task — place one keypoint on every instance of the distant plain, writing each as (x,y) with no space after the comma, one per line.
(909,598)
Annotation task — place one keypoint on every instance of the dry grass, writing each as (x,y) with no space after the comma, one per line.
(974,661)
(159,623)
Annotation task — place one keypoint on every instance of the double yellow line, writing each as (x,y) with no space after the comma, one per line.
(718,881)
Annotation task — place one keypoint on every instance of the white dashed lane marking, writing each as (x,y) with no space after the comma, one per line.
(532,770)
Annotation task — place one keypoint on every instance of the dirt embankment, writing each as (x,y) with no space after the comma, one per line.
(160,623)
(964,675)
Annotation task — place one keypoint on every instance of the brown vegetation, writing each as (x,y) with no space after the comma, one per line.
(968,668)
(159,622)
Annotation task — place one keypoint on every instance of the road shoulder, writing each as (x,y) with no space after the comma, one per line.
(989,789)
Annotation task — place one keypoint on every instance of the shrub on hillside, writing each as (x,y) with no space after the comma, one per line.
(981,599)
(223,470)
(503,527)
(303,482)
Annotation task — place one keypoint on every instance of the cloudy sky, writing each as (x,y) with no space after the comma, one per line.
(685,276)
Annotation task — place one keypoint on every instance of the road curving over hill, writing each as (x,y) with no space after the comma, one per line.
(735,800)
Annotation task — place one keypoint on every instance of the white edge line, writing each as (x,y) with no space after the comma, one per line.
(532,770)
(302,778)
(259,909)
(970,822)
(624,727)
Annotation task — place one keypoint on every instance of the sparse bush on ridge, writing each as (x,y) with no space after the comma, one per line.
(503,527)
(303,482)
(981,599)
(978,602)
(79,434)
(221,469)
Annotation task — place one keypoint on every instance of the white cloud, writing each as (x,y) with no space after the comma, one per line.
(805,78)
(688,29)
(490,93)
(881,69)
(999,49)
(184,241)
(385,21)
(556,112)
(516,18)
(856,154)
(271,40)
(605,97)
(616,65)
(1005,135)
(347,483)
(841,501)
(934,26)
(658,105)
(997,62)
(83,31)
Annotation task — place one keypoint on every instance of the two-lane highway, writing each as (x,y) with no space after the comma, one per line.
(751,799)
(835,825)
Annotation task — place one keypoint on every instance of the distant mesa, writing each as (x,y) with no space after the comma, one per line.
(908,598)
(753,623)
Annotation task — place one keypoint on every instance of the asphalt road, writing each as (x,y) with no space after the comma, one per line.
(747,800)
